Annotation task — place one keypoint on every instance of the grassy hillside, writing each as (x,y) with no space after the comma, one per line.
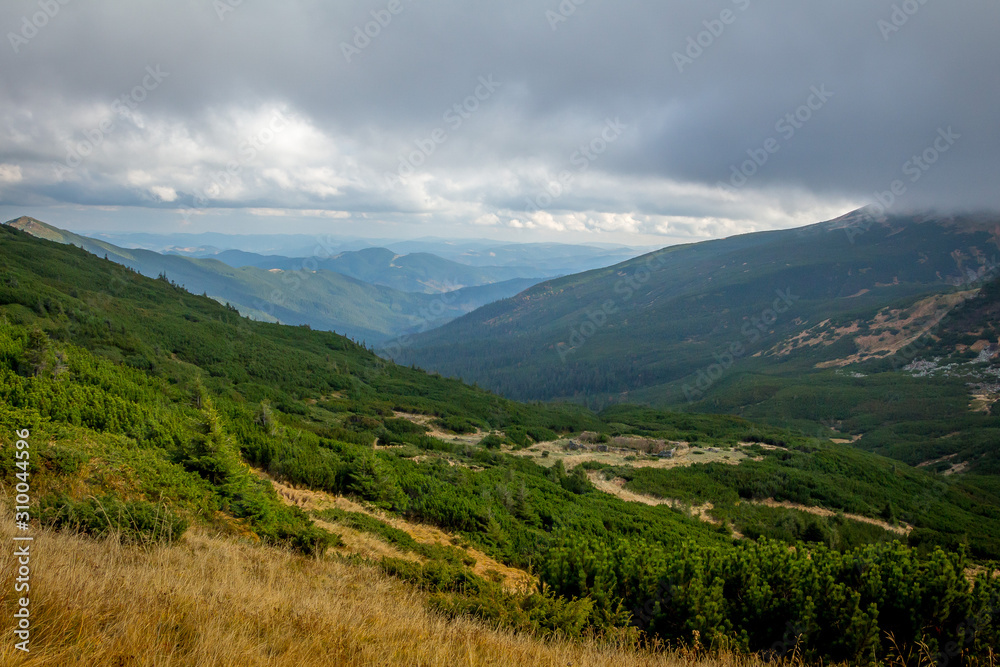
(320,298)
(174,606)
(147,407)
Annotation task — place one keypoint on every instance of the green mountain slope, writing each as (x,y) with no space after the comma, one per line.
(658,320)
(146,400)
(319,298)
(760,325)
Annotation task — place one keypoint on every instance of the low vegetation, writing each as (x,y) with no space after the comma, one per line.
(147,407)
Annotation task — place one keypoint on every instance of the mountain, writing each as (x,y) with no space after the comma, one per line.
(318,298)
(568,258)
(554,258)
(622,328)
(210,243)
(164,436)
(756,325)
(416,272)
(527,259)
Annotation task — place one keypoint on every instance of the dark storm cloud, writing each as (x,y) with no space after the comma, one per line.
(493,113)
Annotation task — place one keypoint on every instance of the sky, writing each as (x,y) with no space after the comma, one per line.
(635,122)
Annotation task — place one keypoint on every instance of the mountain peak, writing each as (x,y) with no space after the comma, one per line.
(40,229)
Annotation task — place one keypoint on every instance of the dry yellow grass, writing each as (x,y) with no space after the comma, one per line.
(892,330)
(215,601)
(436,432)
(370,547)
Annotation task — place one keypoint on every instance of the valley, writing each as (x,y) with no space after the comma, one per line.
(370,295)
(216,434)
(569,334)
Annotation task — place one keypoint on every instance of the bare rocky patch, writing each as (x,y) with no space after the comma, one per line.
(632,451)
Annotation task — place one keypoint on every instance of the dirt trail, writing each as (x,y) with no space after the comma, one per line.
(903,529)
(436,432)
(616,487)
(365,544)
(547,453)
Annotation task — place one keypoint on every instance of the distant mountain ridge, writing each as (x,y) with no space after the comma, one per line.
(534,258)
(415,272)
(319,298)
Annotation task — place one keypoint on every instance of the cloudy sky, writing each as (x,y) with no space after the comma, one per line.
(583,120)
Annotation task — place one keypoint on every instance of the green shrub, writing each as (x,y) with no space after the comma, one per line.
(435,576)
(403,426)
(541,434)
(541,614)
(491,441)
(518,436)
(134,521)
(459,425)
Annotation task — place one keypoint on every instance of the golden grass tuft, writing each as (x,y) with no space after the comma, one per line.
(217,601)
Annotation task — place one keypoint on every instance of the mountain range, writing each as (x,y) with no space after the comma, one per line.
(534,258)
(415,272)
(296,291)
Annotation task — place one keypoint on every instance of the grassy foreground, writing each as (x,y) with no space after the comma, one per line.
(217,601)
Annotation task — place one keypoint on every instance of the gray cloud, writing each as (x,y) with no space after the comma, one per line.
(700,88)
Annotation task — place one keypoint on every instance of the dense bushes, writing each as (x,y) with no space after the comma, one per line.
(540,613)
(134,521)
(856,606)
